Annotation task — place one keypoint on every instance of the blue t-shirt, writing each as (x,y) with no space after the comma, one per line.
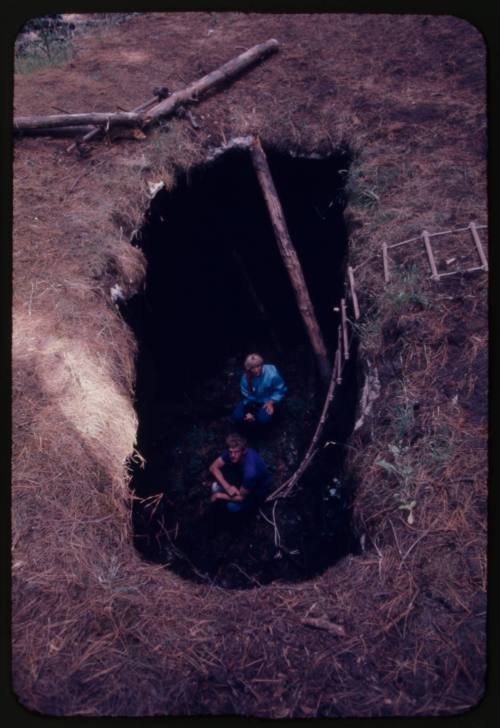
(255,476)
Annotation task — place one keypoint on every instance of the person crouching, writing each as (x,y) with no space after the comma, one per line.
(242,477)
(262,388)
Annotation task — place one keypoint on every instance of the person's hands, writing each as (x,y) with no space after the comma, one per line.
(269,407)
(249,417)
(231,491)
(215,497)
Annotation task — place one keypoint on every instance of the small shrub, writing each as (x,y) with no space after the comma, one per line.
(45,41)
(440,449)
(403,420)
(403,470)
(358,192)
(369,332)
(407,289)
(387,176)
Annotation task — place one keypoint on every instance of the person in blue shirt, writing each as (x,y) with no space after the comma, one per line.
(242,478)
(262,388)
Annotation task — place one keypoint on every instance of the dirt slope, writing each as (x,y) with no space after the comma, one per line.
(95,630)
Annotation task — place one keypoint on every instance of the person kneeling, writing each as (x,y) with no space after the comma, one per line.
(242,477)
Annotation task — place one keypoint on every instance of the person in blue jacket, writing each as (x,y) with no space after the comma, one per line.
(242,478)
(262,388)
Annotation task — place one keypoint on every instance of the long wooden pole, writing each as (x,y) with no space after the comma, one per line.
(60,131)
(338,355)
(122,118)
(354,296)
(477,240)
(229,70)
(289,256)
(430,255)
(285,488)
(385,259)
(344,328)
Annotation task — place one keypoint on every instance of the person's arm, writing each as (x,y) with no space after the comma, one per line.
(215,469)
(279,388)
(240,495)
(278,391)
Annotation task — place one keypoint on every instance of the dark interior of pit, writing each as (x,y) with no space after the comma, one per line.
(216,290)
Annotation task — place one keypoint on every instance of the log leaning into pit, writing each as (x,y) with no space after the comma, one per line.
(189,95)
(289,256)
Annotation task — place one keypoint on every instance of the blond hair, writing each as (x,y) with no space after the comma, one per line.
(235,440)
(253,360)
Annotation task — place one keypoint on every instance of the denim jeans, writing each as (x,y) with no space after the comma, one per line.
(258,411)
(250,501)
(231,506)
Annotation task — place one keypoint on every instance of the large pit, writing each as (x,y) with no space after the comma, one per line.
(216,289)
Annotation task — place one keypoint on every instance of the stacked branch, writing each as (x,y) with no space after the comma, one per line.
(145,117)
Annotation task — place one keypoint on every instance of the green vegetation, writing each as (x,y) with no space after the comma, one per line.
(403,471)
(369,331)
(441,448)
(403,420)
(358,191)
(48,42)
(407,289)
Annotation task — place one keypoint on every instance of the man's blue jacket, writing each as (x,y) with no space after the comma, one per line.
(269,386)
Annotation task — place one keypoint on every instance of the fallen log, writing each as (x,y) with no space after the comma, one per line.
(190,94)
(123,118)
(60,131)
(224,73)
(289,256)
(159,93)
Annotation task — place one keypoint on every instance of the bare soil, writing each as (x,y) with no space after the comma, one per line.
(396,630)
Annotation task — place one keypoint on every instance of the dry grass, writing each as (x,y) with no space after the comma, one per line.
(95,630)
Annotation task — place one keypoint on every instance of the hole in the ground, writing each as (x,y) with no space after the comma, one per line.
(216,289)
